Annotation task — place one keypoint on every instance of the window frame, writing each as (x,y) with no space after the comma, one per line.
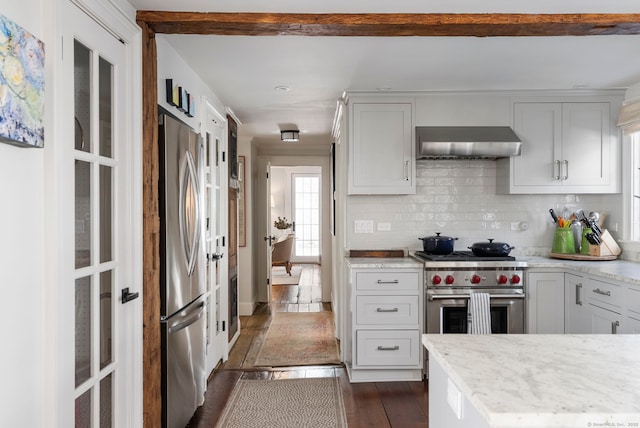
(631,186)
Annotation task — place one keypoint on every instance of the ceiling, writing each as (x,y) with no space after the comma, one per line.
(243,71)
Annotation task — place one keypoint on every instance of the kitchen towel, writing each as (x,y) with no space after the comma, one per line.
(479,314)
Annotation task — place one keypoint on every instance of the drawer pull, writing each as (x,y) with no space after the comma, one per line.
(387,310)
(604,293)
(395,281)
(388,348)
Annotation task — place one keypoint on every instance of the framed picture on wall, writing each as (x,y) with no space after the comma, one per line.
(21,86)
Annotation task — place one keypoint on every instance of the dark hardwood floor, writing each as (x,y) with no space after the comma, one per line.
(375,404)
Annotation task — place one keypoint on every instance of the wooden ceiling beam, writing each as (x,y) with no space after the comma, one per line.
(391,25)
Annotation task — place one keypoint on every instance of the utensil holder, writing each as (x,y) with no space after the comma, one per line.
(608,246)
(563,242)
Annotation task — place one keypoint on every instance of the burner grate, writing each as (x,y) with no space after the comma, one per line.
(461,256)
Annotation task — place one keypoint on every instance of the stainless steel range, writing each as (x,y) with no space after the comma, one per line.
(451,278)
(449,281)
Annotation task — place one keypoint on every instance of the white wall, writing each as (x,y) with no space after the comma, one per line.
(172,66)
(21,261)
(247,289)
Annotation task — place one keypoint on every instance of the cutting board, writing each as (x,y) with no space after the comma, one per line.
(582,257)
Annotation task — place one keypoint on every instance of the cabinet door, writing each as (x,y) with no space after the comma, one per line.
(631,326)
(381,157)
(576,318)
(604,321)
(539,126)
(545,303)
(586,146)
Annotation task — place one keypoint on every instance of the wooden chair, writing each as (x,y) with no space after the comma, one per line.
(281,253)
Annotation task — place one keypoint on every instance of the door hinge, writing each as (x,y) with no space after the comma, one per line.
(267,175)
(224,326)
(224,156)
(268,281)
(223,241)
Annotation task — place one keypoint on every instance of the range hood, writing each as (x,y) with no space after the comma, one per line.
(470,142)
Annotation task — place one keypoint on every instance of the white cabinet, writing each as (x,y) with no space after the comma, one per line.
(603,321)
(381,147)
(606,301)
(386,319)
(632,321)
(567,147)
(545,303)
(576,311)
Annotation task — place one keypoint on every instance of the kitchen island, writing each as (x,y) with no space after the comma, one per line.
(533,380)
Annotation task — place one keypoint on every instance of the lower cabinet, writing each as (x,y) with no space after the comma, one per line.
(631,326)
(604,321)
(545,303)
(632,321)
(576,309)
(562,302)
(386,318)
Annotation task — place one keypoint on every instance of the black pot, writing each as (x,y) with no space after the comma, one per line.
(438,244)
(491,249)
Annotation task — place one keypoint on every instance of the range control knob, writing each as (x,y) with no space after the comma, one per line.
(475,279)
(515,279)
(449,280)
(436,279)
(502,279)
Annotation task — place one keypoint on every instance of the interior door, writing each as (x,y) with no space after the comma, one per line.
(102,295)
(213,129)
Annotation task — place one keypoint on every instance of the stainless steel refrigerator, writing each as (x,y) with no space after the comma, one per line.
(182,285)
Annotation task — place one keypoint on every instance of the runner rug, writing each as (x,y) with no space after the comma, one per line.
(279,275)
(285,403)
(299,339)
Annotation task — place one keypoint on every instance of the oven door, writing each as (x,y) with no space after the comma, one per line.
(447,312)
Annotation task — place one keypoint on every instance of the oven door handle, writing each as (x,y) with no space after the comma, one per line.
(466,296)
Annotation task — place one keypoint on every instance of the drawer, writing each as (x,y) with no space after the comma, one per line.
(387,310)
(633,300)
(388,347)
(387,281)
(605,292)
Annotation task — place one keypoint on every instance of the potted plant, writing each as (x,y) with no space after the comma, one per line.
(282,223)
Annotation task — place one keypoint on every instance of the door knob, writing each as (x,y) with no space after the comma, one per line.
(127,296)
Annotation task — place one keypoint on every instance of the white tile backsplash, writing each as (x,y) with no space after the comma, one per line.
(458,199)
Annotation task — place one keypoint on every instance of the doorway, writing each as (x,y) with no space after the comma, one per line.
(282,171)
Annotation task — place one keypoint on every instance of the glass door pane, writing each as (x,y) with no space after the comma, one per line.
(95,259)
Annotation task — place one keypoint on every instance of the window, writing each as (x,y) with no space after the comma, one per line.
(634,223)
(306,189)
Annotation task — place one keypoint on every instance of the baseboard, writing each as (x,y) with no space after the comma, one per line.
(246,309)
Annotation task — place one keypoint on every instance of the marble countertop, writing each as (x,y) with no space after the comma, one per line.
(619,270)
(383,262)
(545,380)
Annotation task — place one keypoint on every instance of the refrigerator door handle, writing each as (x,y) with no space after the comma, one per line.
(189,211)
(190,320)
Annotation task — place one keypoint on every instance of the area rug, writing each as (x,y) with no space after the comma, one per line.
(285,403)
(299,339)
(279,275)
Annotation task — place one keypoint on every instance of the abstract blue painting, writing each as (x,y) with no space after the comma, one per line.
(21,86)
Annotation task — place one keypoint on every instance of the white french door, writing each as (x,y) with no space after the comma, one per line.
(305,191)
(217,264)
(101,289)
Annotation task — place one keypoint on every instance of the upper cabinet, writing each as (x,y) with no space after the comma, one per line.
(568,147)
(381,147)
